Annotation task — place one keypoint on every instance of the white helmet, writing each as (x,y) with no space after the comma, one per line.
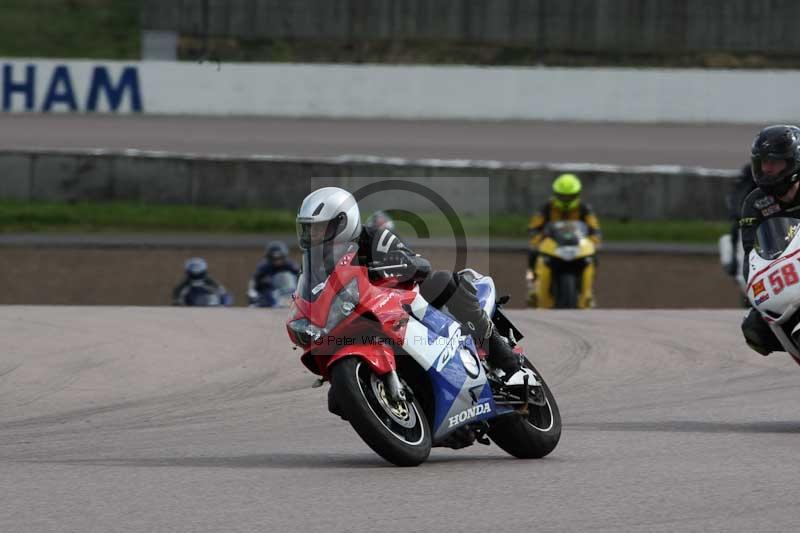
(328,215)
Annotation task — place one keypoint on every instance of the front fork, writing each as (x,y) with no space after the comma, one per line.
(396,390)
(381,360)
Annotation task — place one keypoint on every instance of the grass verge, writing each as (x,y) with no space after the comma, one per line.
(95,29)
(132,217)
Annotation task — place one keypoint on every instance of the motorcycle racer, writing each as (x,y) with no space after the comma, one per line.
(276,259)
(329,219)
(775,157)
(195,275)
(380,220)
(565,204)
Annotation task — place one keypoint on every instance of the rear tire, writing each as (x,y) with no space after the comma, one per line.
(532,437)
(398,432)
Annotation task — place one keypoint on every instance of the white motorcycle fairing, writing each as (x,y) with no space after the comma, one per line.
(773,289)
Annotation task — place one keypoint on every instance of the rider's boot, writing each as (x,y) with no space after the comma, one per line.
(758,335)
(466,308)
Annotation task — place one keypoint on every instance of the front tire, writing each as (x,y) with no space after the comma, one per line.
(397,431)
(532,437)
(566,291)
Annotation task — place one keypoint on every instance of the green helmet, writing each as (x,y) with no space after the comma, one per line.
(566,190)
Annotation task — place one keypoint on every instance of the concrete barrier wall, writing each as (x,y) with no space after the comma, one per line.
(471,187)
(404,92)
(622,26)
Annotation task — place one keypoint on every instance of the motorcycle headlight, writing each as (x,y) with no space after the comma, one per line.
(343,306)
(305,331)
(567,253)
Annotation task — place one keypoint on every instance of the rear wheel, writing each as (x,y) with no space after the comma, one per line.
(530,437)
(397,431)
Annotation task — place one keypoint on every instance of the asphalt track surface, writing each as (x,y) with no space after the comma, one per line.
(711,146)
(162,419)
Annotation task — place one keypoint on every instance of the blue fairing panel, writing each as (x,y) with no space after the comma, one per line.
(460,396)
(438,323)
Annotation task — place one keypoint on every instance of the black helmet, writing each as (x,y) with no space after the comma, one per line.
(277,251)
(746,173)
(780,142)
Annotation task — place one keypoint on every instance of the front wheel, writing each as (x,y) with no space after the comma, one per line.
(566,286)
(397,431)
(530,437)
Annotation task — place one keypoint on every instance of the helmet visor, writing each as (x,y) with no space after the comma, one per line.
(310,234)
(276,255)
(566,201)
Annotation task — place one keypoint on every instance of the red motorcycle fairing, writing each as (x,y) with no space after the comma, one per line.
(378,319)
(378,356)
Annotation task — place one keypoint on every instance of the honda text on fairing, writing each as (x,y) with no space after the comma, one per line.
(774,281)
(565,267)
(403,374)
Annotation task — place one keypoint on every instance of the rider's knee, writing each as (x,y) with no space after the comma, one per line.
(438,287)
(758,335)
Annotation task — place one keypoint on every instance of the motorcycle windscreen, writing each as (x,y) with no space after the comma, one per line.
(774,235)
(201,296)
(319,261)
(284,282)
(567,232)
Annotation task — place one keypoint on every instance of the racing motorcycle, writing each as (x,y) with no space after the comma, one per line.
(564,270)
(774,279)
(404,375)
(199,294)
(282,287)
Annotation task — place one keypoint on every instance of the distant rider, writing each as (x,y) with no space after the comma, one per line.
(775,158)
(380,220)
(276,260)
(195,275)
(565,204)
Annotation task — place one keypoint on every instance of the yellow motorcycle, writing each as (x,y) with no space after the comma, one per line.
(565,268)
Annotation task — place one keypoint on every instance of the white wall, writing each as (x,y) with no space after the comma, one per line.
(408,92)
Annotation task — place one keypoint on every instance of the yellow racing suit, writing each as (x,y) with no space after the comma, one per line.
(551,212)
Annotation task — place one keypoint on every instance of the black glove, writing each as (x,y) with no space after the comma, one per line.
(408,267)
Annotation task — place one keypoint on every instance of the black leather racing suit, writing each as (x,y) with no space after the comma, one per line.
(381,247)
(757,207)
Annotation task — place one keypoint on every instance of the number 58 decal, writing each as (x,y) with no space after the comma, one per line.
(782,278)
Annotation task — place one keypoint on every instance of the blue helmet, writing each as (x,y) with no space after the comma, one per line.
(196,268)
(277,251)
